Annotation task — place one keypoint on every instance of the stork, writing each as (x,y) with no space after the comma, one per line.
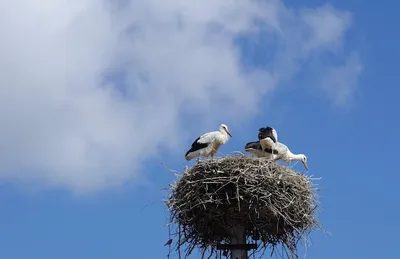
(267,137)
(208,143)
(281,151)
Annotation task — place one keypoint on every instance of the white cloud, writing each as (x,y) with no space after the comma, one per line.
(64,125)
(327,26)
(340,82)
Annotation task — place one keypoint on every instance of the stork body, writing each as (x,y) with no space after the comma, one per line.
(267,137)
(256,149)
(208,143)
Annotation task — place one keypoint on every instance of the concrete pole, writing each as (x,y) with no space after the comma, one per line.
(238,238)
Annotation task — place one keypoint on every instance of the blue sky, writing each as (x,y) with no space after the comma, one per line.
(57,201)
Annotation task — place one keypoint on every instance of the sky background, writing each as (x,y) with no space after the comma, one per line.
(94,95)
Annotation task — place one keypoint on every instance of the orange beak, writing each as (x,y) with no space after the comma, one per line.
(305,165)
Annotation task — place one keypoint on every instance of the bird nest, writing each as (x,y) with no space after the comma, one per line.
(274,204)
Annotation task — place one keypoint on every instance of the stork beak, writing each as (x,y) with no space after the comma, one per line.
(227,131)
(305,165)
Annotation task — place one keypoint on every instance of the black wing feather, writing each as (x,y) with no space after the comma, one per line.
(257,145)
(253,145)
(196,146)
(268,150)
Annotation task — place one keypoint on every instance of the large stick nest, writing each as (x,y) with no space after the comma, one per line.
(274,204)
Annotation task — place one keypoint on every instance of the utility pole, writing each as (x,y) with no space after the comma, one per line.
(238,246)
(238,238)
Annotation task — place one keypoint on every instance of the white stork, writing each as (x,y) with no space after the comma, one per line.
(267,137)
(208,143)
(280,151)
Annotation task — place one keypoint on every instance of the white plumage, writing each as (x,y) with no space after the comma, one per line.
(208,143)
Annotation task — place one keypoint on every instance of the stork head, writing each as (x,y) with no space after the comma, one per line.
(303,159)
(223,128)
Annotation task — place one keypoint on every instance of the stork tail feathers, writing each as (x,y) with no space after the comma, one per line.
(191,154)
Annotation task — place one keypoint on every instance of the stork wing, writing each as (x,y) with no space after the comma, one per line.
(267,143)
(267,132)
(204,139)
(207,137)
(201,142)
(253,145)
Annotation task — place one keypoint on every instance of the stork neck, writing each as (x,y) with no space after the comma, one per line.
(292,156)
(224,133)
